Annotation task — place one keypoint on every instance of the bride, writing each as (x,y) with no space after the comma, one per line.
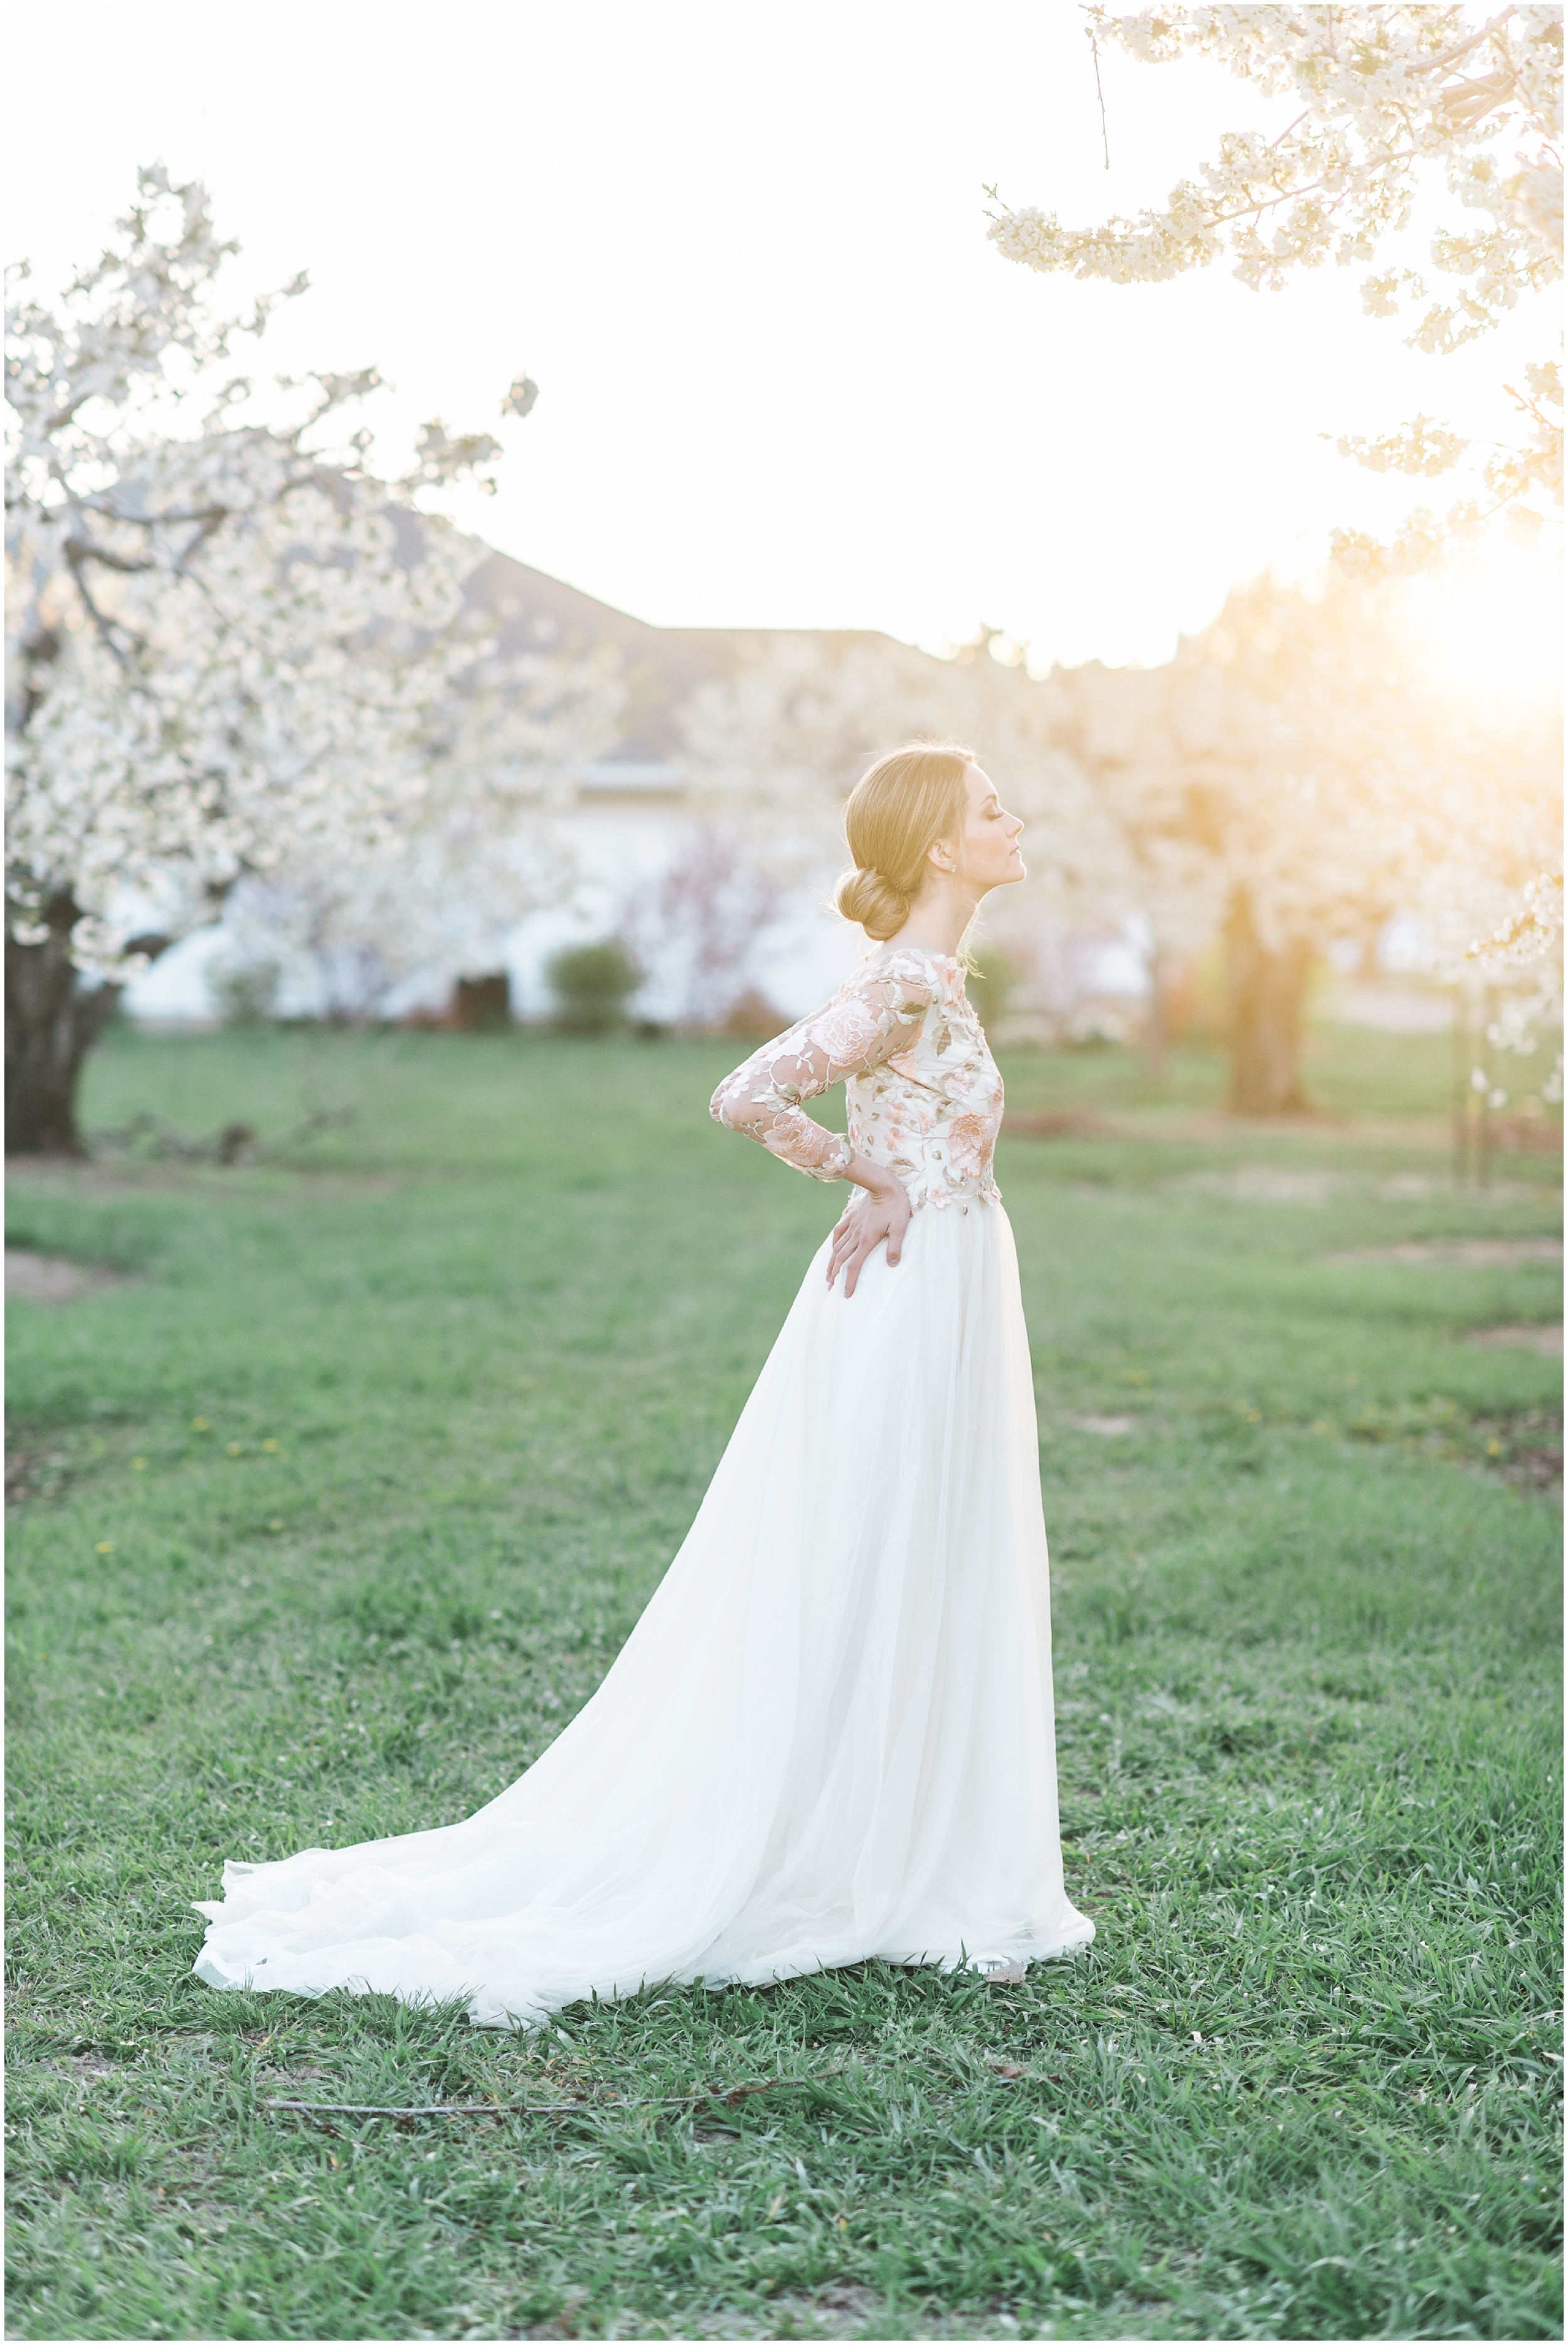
(830,1736)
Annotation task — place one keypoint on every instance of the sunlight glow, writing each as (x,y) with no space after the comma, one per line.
(1492,627)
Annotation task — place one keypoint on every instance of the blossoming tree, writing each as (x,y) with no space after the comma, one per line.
(475,847)
(1114,725)
(1390,100)
(1389,104)
(232,649)
(773,751)
(1292,778)
(1319,780)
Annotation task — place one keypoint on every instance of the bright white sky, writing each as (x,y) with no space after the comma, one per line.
(785,378)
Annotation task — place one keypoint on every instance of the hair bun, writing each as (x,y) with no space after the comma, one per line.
(870,900)
(895,814)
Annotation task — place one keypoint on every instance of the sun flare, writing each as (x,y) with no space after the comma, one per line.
(1493,629)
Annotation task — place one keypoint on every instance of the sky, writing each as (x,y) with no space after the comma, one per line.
(784,381)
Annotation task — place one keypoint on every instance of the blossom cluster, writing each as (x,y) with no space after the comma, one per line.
(1295,757)
(1383,92)
(1422,448)
(772,751)
(1389,97)
(476,843)
(234,652)
(1523,958)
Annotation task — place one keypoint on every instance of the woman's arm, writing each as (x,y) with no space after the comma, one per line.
(864,1025)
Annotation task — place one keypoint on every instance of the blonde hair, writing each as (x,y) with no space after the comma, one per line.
(897,810)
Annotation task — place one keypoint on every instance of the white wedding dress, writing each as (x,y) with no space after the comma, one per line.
(830,1736)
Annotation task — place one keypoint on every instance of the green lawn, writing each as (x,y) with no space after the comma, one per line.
(338,1507)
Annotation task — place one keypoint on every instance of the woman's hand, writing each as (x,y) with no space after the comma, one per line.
(861,1229)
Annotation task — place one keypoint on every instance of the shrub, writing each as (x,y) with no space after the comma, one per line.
(590,984)
(244,991)
(993,977)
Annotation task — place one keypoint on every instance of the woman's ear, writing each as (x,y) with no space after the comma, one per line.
(941,853)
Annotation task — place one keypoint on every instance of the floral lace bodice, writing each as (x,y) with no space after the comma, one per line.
(924,1093)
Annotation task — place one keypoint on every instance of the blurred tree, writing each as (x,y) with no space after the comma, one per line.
(993,981)
(232,649)
(1387,100)
(1319,779)
(751,1017)
(773,751)
(477,844)
(1291,779)
(695,929)
(1114,724)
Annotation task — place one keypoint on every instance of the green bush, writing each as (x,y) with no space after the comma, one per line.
(590,984)
(993,979)
(244,991)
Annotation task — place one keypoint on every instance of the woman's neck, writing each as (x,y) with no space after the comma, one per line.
(937,921)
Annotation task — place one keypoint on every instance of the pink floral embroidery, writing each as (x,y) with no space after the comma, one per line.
(846,1031)
(803,1144)
(924,1096)
(970,1141)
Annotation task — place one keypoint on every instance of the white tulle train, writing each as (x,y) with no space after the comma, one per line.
(829,1736)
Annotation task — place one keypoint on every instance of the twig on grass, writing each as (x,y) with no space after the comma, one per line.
(233,1144)
(728,2100)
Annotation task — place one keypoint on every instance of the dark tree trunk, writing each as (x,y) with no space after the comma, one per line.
(52,1020)
(1267,992)
(483,1005)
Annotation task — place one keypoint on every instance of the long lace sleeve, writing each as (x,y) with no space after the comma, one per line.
(857,1031)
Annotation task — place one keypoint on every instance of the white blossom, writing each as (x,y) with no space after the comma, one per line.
(232,651)
(1421,448)
(1388,98)
(773,750)
(1296,755)
(477,845)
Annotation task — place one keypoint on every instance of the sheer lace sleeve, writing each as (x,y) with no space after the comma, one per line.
(860,1028)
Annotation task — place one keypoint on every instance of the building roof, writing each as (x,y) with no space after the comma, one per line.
(664,666)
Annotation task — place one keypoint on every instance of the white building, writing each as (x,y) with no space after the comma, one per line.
(629,821)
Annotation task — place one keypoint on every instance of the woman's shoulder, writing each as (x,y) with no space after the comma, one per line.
(938,974)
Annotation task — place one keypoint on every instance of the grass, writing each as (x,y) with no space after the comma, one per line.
(343,1502)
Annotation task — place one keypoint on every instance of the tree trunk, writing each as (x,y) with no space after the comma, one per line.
(1155,1036)
(52,1020)
(483,1005)
(1268,995)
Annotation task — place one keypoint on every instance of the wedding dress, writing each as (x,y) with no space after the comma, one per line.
(830,1736)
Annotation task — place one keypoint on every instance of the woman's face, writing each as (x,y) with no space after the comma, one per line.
(992,856)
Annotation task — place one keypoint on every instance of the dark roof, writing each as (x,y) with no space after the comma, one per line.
(664,666)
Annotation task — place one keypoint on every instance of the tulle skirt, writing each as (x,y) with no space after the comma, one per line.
(830,1736)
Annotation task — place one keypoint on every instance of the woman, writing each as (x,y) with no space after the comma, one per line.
(830,1736)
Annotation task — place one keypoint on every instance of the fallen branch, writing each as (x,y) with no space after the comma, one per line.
(233,1143)
(324,1119)
(727,2099)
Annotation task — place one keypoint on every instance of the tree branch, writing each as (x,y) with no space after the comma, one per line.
(729,2099)
(100,619)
